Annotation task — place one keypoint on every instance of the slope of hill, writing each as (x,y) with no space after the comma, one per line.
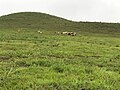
(33,20)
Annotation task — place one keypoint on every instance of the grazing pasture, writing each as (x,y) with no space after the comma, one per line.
(29,60)
(48,61)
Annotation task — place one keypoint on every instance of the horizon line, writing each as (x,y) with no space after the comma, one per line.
(84,21)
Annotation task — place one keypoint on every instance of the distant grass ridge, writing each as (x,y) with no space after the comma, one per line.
(35,20)
(32,20)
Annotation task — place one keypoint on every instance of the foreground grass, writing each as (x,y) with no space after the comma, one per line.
(29,60)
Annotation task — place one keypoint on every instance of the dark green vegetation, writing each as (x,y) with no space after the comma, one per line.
(33,61)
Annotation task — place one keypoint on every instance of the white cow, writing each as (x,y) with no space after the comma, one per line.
(39,32)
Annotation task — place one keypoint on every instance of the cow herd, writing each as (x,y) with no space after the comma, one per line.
(62,33)
(67,33)
(39,31)
(58,33)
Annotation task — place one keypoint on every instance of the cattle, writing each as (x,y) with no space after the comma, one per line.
(69,33)
(73,34)
(39,32)
(57,33)
(64,33)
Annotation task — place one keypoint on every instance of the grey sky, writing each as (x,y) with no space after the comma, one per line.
(76,10)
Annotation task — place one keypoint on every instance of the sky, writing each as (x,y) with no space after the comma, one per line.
(75,10)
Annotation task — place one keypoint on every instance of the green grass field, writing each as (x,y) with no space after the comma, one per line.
(33,61)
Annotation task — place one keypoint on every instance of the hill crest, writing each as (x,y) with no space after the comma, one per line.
(36,20)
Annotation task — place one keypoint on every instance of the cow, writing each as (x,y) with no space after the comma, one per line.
(73,33)
(39,32)
(69,33)
(57,33)
(64,33)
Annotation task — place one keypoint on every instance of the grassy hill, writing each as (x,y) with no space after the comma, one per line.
(32,20)
(48,61)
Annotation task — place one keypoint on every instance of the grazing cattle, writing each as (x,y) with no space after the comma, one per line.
(64,33)
(73,34)
(57,32)
(69,33)
(39,32)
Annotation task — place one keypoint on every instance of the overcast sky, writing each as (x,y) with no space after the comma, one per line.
(76,10)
